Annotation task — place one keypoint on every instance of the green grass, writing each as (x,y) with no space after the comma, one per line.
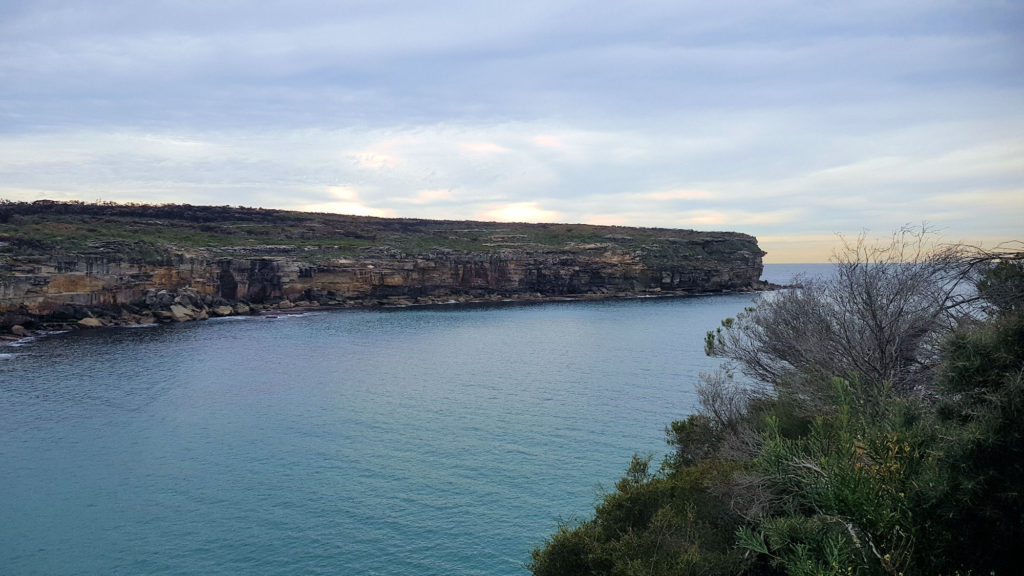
(51,228)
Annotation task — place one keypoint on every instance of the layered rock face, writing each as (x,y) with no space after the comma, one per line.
(344,261)
(47,286)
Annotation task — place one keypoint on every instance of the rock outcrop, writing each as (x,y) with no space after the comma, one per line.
(110,282)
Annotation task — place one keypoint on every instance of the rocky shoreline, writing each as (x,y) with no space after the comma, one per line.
(70,266)
(189,305)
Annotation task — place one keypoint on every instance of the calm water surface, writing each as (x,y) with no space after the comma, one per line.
(443,441)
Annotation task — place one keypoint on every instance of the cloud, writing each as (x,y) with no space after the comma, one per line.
(483,148)
(774,118)
(519,212)
(374,160)
(426,197)
(548,141)
(679,195)
(346,202)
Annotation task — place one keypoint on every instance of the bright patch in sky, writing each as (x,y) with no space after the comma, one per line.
(680,195)
(428,197)
(346,202)
(520,212)
(375,160)
(791,121)
(548,141)
(483,148)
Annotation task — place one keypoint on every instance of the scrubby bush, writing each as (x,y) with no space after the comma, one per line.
(880,315)
(885,437)
(669,522)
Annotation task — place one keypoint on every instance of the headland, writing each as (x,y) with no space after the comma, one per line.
(71,265)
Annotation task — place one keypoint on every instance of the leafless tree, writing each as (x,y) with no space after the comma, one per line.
(880,316)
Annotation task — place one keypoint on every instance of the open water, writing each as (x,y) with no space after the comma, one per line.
(423,441)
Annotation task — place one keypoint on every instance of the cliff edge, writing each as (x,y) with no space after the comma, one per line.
(83,264)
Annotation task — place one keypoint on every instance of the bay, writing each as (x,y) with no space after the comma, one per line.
(426,441)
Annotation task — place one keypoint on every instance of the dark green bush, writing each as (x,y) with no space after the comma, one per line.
(670,522)
(848,476)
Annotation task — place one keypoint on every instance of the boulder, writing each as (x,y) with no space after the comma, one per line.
(182,314)
(90,323)
(222,311)
(163,298)
(19,330)
(286,304)
(242,309)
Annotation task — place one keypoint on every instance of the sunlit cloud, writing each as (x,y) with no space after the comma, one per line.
(740,220)
(704,218)
(346,201)
(349,208)
(679,195)
(519,212)
(375,160)
(345,193)
(605,219)
(655,123)
(426,197)
(483,148)
(548,141)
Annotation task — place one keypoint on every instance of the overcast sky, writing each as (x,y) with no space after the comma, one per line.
(792,121)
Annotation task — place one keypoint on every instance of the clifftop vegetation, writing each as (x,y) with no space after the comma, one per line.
(145,233)
(869,423)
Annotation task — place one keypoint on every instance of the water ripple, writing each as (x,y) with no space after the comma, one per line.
(440,441)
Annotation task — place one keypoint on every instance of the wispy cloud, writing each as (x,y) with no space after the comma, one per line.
(426,197)
(483,148)
(345,201)
(680,195)
(787,120)
(519,212)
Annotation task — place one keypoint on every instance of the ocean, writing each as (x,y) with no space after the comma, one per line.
(446,440)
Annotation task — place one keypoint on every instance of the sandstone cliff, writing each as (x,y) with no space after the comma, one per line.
(62,262)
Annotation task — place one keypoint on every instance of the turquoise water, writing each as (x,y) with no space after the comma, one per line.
(441,441)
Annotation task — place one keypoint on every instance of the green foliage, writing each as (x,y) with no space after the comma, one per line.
(572,550)
(695,439)
(980,359)
(849,475)
(982,509)
(669,522)
(846,490)
(1002,284)
(47,227)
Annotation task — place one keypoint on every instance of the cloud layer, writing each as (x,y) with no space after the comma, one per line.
(787,120)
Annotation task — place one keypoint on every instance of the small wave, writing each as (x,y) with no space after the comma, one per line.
(231,318)
(7,356)
(30,339)
(23,342)
(289,315)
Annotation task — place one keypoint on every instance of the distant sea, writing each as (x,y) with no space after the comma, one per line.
(421,441)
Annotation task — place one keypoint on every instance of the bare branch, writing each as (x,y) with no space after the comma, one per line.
(880,315)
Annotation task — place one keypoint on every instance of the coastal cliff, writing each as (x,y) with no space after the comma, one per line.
(109,264)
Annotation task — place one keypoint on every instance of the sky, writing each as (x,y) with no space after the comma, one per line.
(791,121)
